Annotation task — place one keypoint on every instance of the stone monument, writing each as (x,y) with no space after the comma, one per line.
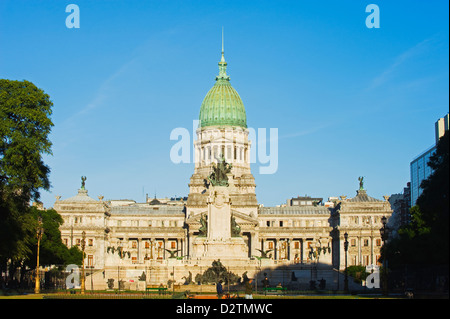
(219,235)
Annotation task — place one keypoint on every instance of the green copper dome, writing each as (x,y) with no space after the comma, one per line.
(222,105)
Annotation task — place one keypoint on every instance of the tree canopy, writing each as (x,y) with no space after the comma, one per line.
(24,128)
(25,124)
(425,240)
(52,249)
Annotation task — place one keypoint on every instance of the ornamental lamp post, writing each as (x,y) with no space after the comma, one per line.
(83,246)
(383,229)
(346,271)
(39,233)
(384,236)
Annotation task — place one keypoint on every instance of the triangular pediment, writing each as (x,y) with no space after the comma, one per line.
(195,219)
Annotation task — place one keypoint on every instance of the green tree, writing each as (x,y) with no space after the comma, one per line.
(52,250)
(24,127)
(425,240)
(434,202)
(358,273)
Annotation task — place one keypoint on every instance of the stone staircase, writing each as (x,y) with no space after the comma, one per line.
(158,275)
(299,279)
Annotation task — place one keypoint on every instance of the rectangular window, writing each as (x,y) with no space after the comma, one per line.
(365,260)
(353,242)
(90,261)
(134,260)
(147,244)
(90,242)
(377,260)
(173,245)
(366,242)
(134,244)
(281,223)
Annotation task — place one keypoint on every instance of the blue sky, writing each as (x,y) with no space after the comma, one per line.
(347,100)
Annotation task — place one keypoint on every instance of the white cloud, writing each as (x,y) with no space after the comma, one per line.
(409,54)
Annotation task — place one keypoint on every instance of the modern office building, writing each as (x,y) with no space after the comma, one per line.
(419,166)
(440,127)
(419,172)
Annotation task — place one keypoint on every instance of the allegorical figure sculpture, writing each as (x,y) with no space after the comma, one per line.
(173,252)
(202,231)
(219,177)
(264,253)
(361,182)
(83,182)
(235,228)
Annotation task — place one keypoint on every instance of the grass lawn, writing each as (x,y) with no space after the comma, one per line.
(28,296)
(169,296)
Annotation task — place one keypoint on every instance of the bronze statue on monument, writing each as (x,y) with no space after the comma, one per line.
(83,182)
(219,177)
(235,228)
(361,182)
(203,230)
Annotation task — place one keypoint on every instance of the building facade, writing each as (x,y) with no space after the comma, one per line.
(171,240)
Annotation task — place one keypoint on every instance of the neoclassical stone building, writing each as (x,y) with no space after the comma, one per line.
(158,241)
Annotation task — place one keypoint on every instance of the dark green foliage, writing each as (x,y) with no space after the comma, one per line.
(425,240)
(358,273)
(24,128)
(52,250)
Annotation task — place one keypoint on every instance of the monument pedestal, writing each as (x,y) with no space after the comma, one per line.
(218,242)
(233,248)
(266,262)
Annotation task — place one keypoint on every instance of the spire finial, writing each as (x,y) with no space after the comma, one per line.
(223,57)
(222,65)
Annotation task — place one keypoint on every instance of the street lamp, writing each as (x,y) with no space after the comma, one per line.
(39,233)
(83,246)
(92,279)
(383,229)
(346,271)
(121,253)
(384,236)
